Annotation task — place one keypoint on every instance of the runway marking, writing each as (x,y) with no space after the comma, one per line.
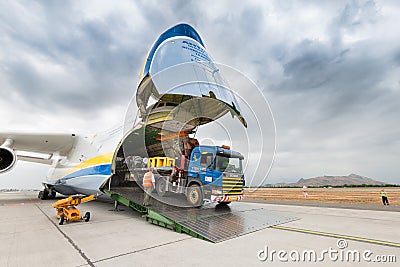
(348,237)
(143,249)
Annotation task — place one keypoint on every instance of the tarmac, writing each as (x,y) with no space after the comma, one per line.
(30,236)
(327,204)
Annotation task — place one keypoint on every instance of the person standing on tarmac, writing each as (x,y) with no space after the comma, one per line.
(148,186)
(385,200)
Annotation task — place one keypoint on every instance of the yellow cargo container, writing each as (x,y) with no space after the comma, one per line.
(156,162)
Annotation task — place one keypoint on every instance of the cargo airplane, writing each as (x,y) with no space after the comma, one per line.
(81,164)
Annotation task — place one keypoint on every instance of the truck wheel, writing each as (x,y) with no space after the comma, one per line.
(161,187)
(195,195)
(61,220)
(223,205)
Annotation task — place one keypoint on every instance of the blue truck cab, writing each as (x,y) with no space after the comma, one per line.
(219,173)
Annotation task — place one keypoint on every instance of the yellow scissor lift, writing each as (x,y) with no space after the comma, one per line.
(66,208)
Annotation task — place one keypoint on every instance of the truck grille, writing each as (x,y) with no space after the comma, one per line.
(232,186)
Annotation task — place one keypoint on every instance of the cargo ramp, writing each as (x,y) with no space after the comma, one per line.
(211,222)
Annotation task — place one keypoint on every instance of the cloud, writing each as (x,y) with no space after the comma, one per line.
(69,62)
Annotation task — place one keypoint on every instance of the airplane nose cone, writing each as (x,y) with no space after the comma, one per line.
(179,69)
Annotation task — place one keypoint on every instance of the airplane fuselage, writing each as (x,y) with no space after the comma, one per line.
(87,166)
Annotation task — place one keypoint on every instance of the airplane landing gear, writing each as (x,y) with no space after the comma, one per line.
(47,194)
(43,194)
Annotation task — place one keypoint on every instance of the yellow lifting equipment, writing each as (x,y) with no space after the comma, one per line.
(66,208)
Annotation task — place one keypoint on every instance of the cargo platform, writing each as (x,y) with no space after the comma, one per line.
(211,222)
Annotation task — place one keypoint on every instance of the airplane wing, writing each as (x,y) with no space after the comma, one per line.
(33,147)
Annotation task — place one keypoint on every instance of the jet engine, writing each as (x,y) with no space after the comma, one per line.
(7,158)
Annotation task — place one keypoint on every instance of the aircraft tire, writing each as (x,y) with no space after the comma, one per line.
(52,194)
(43,194)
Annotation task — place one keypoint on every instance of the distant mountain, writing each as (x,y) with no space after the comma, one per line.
(352,179)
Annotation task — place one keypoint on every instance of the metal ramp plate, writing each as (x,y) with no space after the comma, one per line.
(219,225)
(211,222)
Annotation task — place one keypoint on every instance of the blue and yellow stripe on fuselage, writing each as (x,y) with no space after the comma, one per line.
(100,165)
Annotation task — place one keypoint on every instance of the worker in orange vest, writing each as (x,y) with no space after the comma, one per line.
(148,186)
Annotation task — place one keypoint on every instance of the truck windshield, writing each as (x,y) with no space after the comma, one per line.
(225,164)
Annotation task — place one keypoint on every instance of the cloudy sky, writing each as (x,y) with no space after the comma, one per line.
(329,69)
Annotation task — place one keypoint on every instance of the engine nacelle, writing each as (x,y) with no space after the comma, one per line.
(7,159)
